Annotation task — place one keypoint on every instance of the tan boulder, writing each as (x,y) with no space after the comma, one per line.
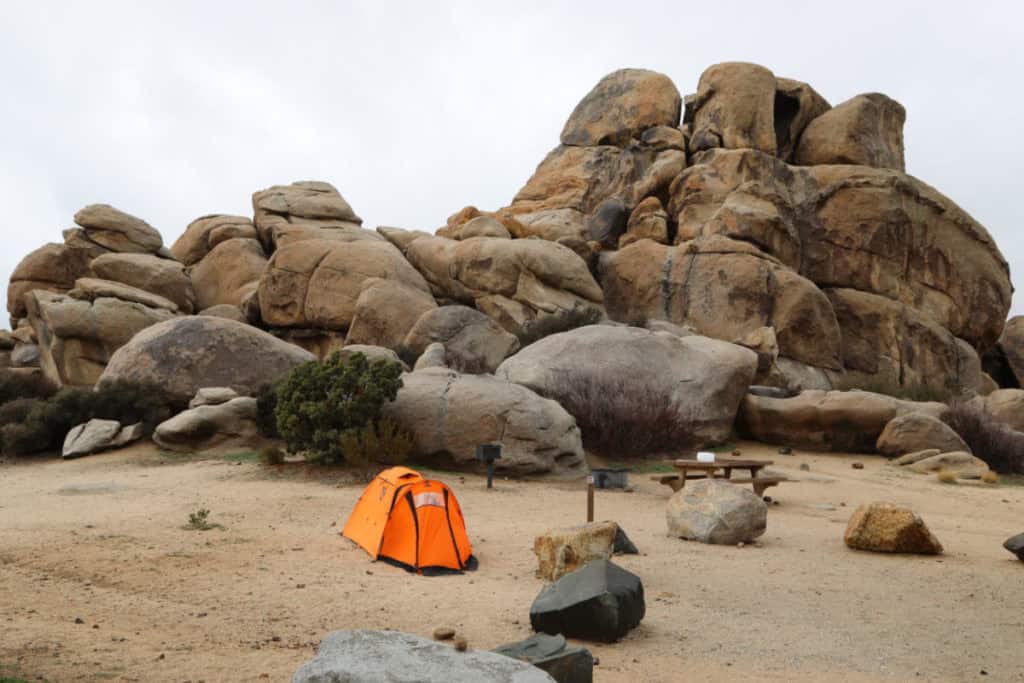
(536,434)
(796,105)
(1011,344)
(187,353)
(621,106)
(1006,406)
(473,342)
(90,289)
(725,289)
(206,232)
(917,432)
(316,283)
(225,311)
(560,551)
(231,423)
(77,337)
(160,276)
(117,230)
(735,108)
(961,463)
(647,221)
(705,379)
(890,528)
(866,130)
(52,268)
(229,274)
(826,420)
(400,238)
(916,456)
(385,312)
(307,209)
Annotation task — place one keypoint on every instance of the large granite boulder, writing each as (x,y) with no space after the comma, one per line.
(186,354)
(304,210)
(704,378)
(890,528)
(1010,347)
(52,268)
(159,276)
(230,423)
(78,336)
(386,311)
(1005,405)
(229,274)
(848,421)
(866,130)
(600,601)
(90,289)
(734,108)
(621,106)
(391,656)
(206,232)
(317,282)
(796,105)
(450,414)
(117,230)
(471,340)
(917,432)
(515,282)
(98,435)
(714,511)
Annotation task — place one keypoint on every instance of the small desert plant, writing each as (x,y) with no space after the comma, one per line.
(1000,447)
(990,477)
(946,476)
(271,455)
(318,402)
(199,521)
(266,403)
(623,417)
(562,322)
(15,385)
(385,442)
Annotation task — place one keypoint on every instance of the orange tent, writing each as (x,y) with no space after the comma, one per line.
(413,522)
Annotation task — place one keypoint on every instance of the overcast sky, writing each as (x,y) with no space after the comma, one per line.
(416,110)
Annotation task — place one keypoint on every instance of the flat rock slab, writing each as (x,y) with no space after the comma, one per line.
(90,489)
(394,657)
(564,663)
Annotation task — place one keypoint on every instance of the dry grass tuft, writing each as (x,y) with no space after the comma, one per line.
(990,477)
(946,476)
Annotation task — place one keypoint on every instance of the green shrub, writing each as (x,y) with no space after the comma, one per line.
(266,403)
(271,455)
(319,401)
(15,385)
(44,423)
(561,322)
(384,441)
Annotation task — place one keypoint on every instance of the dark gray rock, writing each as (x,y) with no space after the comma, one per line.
(623,546)
(608,222)
(600,601)
(551,653)
(1015,544)
(391,656)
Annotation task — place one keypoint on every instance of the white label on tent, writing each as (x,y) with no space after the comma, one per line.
(428,498)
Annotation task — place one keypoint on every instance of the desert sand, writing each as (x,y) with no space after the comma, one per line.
(100,540)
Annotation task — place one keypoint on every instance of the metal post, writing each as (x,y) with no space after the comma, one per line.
(490,474)
(590,498)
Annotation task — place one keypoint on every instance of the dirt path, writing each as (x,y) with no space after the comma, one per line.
(100,540)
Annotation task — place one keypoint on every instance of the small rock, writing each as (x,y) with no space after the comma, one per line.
(804,467)
(78,620)
(1015,544)
(857,465)
(785,450)
(461,644)
(740,544)
(737,453)
(444,633)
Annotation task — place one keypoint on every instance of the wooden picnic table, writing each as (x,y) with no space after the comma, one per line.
(694,469)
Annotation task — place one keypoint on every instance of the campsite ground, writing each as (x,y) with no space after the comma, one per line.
(100,540)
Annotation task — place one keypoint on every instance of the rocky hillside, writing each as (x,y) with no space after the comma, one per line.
(752,211)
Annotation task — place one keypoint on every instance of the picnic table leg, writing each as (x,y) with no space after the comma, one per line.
(728,473)
(678,484)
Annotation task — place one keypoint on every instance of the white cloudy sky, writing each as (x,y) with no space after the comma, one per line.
(413,110)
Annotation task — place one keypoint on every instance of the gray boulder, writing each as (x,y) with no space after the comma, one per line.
(186,354)
(391,656)
(564,663)
(435,356)
(212,396)
(705,378)
(373,353)
(232,423)
(600,601)
(450,414)
(25,356)
(474,342)
(917,432)
(160,276)
(98,435)
(117,230)
(712,511)
(1015,544)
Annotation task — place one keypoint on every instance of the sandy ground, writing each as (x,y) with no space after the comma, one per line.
(100,540)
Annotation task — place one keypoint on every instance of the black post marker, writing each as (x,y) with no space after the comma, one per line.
(489,452)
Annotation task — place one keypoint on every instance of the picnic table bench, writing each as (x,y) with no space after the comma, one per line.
(695,469)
